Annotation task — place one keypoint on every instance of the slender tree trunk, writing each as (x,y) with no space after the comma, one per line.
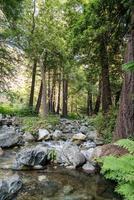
(125,119)
(65,97)
(106,89)
(38,104)
(89,104)
(59,94)
(44,87)
(49,90)
(98,100)
(31,99)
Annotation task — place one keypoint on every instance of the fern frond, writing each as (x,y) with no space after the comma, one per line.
(127,144)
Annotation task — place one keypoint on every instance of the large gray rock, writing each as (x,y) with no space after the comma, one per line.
(35,158)
(88,154)
(9,137)
(70,155)
(43,134)
(10,187)
(28,137)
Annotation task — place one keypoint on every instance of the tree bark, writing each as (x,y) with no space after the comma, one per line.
(38,104)
(44,86)
(59,94)
(65,97)
(89,104)
(125,119)
(98,100)
(106,88)
(31,99)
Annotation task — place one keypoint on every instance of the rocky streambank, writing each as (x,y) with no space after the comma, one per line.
(72,144)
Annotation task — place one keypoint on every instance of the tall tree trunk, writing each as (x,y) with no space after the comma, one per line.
(125,119)
(89,104)
(38,104)
(106,89)
(65,97)
(52,96)
(59,94)
(98,100)
(44,86)
(31,99)
(49,90)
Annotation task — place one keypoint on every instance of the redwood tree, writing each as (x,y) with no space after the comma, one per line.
(125,120)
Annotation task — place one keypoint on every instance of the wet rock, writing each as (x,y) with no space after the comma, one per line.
(57,135)
(70,155)
(89,154)
(50,188)
(88,145)
(88,168)
(10,187)
(31,158)
(9,137)
(28,137)
(43,134)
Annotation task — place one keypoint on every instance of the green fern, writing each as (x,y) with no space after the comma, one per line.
(121,169)
(127,144)
(128,66)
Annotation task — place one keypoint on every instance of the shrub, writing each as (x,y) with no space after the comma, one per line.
(7,109)
(105,124)
(121,169)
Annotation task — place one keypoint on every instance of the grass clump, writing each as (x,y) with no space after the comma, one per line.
(33,124)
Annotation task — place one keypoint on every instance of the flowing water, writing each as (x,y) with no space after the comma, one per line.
(56,183)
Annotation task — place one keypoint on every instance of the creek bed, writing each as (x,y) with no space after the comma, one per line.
(57,183)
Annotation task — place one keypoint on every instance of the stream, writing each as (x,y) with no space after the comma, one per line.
(57,183)
(54,182)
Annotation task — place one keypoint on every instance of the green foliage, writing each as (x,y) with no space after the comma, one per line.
(121,169)
(105,124)
(7,109)
(33,124)
(129,66)
(52,155)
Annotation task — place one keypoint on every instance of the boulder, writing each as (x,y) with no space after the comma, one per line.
(35,158)
(79,136)
(10,187)
(28,137)
(57,135)
(88,154)
(43,134)
(70,155)
(88,144)
(9,137)
(92,135)
(84,129)
(88,168)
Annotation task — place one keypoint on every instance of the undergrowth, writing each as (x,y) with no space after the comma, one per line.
(121,169)
(105,124)
(33,124)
